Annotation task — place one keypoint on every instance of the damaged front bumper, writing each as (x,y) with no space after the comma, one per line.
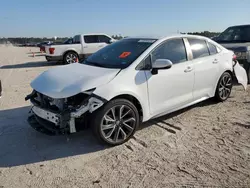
(64,121)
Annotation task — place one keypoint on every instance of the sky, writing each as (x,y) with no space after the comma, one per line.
(65,18)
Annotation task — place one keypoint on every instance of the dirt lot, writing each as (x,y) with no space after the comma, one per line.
(207,145)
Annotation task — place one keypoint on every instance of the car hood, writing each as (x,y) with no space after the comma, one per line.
(237,47)
(68,80)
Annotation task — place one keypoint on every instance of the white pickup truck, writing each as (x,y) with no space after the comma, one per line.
(79,47)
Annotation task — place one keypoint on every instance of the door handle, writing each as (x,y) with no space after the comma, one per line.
(188,69)
(215,61)
(101,45)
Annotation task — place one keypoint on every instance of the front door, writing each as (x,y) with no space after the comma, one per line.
(170,88)
(91,44)
(103,41)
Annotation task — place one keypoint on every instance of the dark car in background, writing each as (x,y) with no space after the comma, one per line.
(237,39)
(43,44)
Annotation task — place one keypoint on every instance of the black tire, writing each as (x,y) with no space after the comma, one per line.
(224,87)
(70,54)
(98,119)
(246,66)
(248,76)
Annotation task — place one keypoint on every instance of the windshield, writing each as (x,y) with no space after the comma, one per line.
(119,54)
(235,34)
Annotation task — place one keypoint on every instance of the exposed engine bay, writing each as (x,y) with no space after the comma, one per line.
(60,116)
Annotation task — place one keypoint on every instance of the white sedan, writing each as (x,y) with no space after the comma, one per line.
(129,82)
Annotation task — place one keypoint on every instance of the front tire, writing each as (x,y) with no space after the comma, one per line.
(70,57)
(224,87)
(116,122)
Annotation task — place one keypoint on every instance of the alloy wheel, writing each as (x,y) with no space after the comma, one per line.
(118,123)
(225,86)
(71,58)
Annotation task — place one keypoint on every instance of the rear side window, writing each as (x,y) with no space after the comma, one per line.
(172,49)
(91,39)
(199,48)
(212,48)
(77,39)
(103,38)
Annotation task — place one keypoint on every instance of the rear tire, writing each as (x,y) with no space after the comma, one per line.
(115,122)
(248,76)
(224,87)
(70,57)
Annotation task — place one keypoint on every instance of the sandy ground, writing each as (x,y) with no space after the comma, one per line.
(207,145)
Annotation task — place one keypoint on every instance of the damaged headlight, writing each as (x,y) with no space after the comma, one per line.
(80,99)
(90,91)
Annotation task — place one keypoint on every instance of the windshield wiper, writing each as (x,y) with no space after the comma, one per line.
(94,63)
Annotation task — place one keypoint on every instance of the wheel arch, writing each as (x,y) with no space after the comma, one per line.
(227,70)
(132,99)
(71,50)
(230,72)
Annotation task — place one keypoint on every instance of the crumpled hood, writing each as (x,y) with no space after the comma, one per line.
(68,80)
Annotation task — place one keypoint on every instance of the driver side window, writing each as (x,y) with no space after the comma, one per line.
(173,49)
(103,38)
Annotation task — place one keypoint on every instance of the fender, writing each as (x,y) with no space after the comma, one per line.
(70,50)
(215,87)
(144,105)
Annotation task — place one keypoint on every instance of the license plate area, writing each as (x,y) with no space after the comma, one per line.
(47,115)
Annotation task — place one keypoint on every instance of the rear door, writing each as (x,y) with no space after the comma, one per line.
(206,63)
(91,44)
(75,45)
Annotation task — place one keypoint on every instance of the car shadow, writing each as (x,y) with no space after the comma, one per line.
(20,144)
(171,128)
(34,52)
(36,55)
(30,65)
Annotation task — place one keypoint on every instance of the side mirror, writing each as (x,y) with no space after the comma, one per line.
(161,64)
(111,41)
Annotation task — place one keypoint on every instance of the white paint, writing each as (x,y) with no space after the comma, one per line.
(69,80)
(81,49)
(241,75)
(182,85)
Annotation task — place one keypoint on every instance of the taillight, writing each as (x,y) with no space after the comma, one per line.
(234,57)
(234,60)
(51,50)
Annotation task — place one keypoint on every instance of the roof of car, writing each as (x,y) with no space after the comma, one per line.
(240,25)
(165,37)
